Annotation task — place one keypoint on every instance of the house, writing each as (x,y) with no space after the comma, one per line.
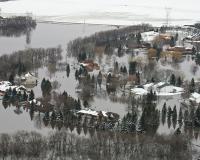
(98,114)
(195,98)
(182,49)
(27,79)
(4,86)
(148,37)
(160,89)
(89,65)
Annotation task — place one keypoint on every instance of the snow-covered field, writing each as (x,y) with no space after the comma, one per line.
(116,12)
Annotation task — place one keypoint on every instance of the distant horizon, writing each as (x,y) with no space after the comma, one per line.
(120,12)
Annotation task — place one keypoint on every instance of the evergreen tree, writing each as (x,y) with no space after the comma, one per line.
(169,112)
(78,104)
(10,92)
(76,74)
(150,118)
(14,92)
(169,119)
(193,50)
(121,69)
(180,116)
(164,111)
(186,117)
(176,37)
(132,67)
(53,116)
(179,82)
(174,117)
(31,95)
(43,83)
(172,42)
(6,97)
(109,78)
(85,104)
(197,115)
(93,79)
(173,80)
(68,70)
(11,79)
(139,37)
(192,116)
(192,85)
(152,80)
(99,79)
(125,70)
(46,87)
(31,112)
(116,67)
(138,78)
(25,96)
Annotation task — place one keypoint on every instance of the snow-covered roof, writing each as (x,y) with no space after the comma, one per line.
(148,85)
(159,84)
(92,112)
(35,102)
(149,36)
(171,89)
(84,64)
(164,89)
(195,97)
(139,91)
(89,111)
(104,113)
(18,88)
(4,85)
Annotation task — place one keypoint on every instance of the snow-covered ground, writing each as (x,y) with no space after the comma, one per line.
(116,12)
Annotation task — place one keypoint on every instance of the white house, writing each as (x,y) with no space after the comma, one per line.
(161,89)
(149,36)
(195,97)
(27,79)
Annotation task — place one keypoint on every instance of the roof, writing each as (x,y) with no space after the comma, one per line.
(148,85)
(92,112)
(139,91)
(89,111)
(171,89)
(195,97)
(149,36)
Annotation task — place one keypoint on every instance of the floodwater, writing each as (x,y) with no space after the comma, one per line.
(51,35)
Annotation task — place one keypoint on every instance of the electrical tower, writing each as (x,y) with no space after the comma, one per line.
(168,10)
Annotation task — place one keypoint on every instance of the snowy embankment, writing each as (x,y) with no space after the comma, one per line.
(112,12)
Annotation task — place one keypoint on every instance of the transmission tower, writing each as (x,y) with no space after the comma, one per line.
(168,11)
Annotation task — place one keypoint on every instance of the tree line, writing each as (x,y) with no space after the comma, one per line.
(22,61)
(16,26)
(104,145)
